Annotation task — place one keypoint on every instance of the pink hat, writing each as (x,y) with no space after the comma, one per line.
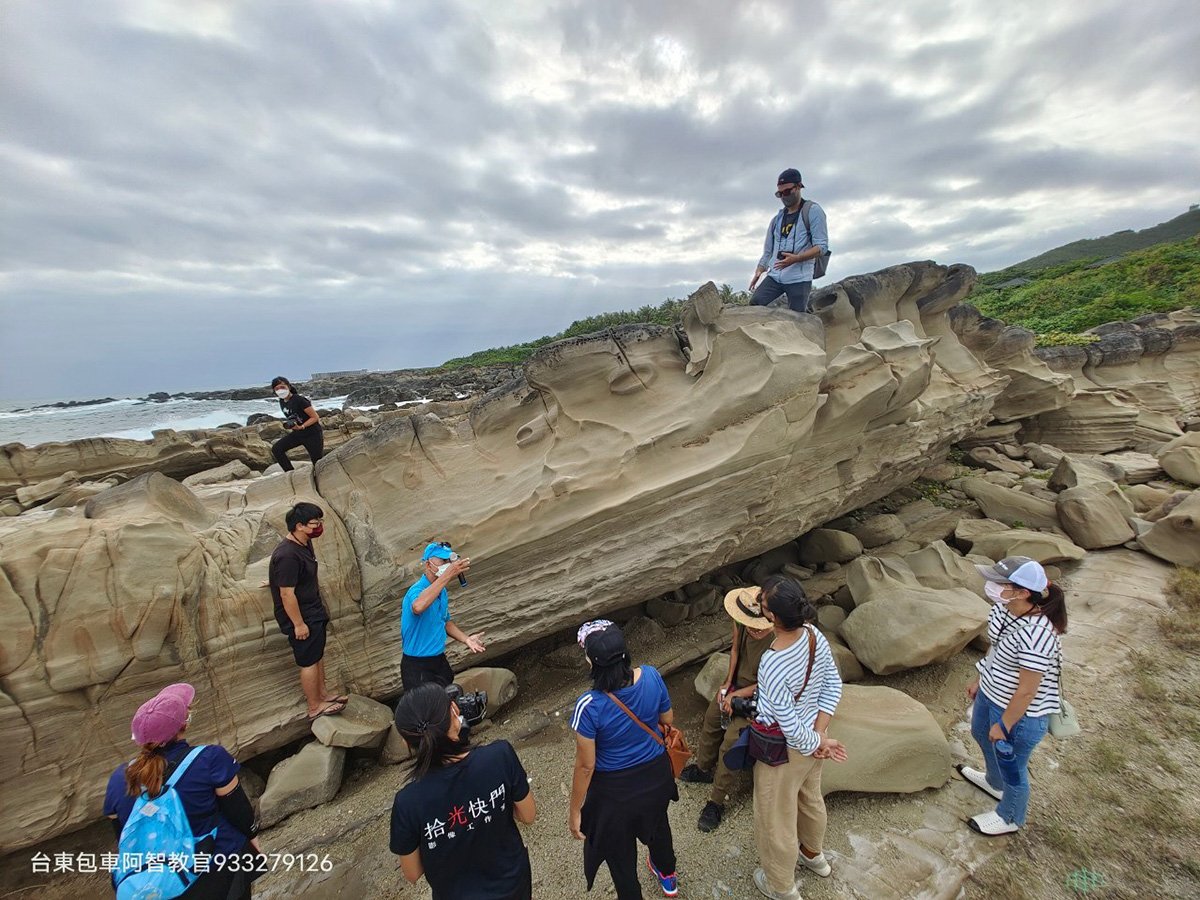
(161,717)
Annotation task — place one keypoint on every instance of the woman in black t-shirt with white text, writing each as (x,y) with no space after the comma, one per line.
(453,821)
(302,423)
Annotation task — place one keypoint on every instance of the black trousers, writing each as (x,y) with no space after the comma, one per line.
(311,439)
(769,290)
(416,670)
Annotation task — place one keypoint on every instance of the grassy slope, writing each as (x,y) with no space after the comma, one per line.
(1184,226)
(1072,297)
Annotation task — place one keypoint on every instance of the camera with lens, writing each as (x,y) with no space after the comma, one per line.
(744,707)
(781,254)
(472,704)
(294,421)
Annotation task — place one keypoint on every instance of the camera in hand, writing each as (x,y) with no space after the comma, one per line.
(472,704)
(293,421)
(462,579)
(781,255)
(744,707)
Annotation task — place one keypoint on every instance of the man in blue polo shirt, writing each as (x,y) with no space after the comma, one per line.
(425,620)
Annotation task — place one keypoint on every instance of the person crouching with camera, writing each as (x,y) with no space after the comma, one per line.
(798,693)
(425,619)
(732,706)
(453,821)
(623,780)
(302,423)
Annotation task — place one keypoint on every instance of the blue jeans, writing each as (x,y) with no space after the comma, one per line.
(1026,735)
(769,290)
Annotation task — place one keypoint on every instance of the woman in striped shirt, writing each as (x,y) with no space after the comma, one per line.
(1017,687)
(798,690)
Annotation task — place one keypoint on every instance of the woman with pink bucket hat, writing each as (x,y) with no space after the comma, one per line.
(204,780)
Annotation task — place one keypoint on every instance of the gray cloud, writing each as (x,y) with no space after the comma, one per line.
(193,190)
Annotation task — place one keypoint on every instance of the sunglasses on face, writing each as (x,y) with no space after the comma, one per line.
(785,193)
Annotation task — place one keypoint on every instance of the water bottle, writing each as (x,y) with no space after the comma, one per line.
(1006,758)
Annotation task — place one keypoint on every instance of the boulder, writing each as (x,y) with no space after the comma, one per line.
(712,675)
(1180,458)
(1176,536)
(824,545)
(150,497)
(35,494)
(395,748)
(938,566)
(1145,498)
(1011,507)
(1037,545)
(969,531)
(1138,467)
(830,618)
(74,496)
(666,612)
(1073,470)
(363,723)
(1043,455)
(706,602)
(800,573)
(848,666)
(308,779)
(927,522)
(899,623)
(878,530)
(10,508)
(893,744)
(500,684)
(1003,479)
(988,458)
(231,471)
(1095,515)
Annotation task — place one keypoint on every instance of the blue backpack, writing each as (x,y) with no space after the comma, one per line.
(157,850)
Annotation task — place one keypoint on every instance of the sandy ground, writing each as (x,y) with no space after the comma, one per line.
(881,846)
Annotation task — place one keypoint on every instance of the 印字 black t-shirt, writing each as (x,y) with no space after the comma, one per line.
(293,409)
(461,819)
(296,567)
(788,223)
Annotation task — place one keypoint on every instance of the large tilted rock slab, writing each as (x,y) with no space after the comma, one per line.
(1180,458)
(308,779)
(893,744)
(1095,515)
(1176,536)
(603,477)
(899,623)
(363,723)
(1039,545)
(1011,507)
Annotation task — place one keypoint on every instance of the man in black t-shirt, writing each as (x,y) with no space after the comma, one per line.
(302,423)
(299,609)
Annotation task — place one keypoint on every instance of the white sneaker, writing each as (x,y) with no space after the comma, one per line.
(991,824)
(979,779)
(818,864)
(760,882)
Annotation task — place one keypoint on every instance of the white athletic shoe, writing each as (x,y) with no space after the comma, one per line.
(818,864)
(760,882)
(991,824)
(979,779)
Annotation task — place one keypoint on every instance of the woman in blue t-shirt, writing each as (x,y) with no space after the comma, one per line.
(623,780)
(208,789)
(453,821)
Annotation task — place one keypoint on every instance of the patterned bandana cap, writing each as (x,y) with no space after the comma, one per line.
(590,628)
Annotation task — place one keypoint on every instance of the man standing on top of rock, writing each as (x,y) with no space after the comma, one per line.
(425,619)
(796,238)
(299,609)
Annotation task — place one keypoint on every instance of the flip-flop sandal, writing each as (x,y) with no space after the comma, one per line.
(342,699)
(332,708)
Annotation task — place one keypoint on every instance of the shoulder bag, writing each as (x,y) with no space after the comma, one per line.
(672,738)
(768,743)
(1064,723)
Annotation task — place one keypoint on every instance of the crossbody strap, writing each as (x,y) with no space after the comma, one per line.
(629,712)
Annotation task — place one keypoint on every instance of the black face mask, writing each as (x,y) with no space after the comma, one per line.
(787,197)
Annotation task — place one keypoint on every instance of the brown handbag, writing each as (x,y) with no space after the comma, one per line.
(768,744)
(672,738)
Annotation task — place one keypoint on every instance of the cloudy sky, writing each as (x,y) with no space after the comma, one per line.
(200,194)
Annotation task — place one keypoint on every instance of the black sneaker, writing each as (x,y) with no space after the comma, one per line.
(710,817)
(693,774)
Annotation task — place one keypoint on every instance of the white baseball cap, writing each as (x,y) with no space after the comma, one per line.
(1019,570)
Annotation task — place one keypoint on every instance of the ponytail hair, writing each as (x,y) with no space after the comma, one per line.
(1053,605)
(147,771)
(787,602)
(423,720)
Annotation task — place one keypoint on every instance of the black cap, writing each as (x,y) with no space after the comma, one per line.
(605,647)
(790,176)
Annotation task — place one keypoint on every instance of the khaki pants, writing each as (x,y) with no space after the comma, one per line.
(715,741)
(788,807)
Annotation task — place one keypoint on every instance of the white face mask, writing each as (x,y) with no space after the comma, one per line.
(443,569)
(282,393)
(994,592)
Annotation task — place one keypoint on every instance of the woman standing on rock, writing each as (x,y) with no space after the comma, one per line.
(798,692)
(204,781)
(1017,688)
(623,781)
(453,821)
(301,421)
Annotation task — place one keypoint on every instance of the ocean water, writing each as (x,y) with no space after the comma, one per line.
(130,418)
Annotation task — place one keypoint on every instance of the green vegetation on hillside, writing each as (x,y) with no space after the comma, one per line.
(1061,301)
(666,313)
(1179,228)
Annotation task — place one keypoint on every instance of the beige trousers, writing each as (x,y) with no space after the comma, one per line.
(788,808)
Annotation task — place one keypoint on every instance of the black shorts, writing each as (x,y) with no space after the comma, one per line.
(416,670)
(311,650)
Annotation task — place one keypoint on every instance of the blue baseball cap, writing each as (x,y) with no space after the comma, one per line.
(437,550)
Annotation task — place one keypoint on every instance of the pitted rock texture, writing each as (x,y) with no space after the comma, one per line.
(618,467)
